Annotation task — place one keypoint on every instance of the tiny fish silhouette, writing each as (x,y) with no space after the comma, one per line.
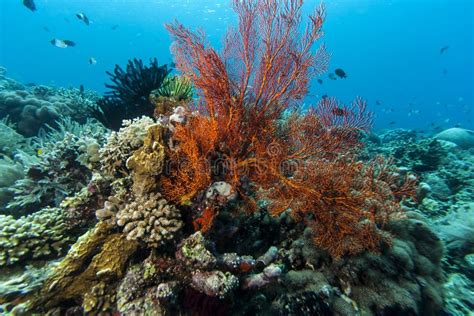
(30,4)
(332,76)
(340,73)
(114,27)
(81,16)
(62,43)
(392,123)
(320,81)
(443,49)
(92,61)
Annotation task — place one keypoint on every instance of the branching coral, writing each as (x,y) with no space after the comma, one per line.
(35,236)
(66,157)
(129,93)
(250,134)
(150,218)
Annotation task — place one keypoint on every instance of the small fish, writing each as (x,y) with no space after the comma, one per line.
(39,151)
(378,102)
(62,43)
(320,81)
(92,61)
(332,76)
(392,123)
(324,96)
(443,49)
(114,27)
(46,29)
(81,16)
(81,90)
(30,4)
(340,73)
(445,72)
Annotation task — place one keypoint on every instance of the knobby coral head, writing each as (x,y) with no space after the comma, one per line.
(250,131)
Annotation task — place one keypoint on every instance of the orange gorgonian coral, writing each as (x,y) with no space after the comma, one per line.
(249,131)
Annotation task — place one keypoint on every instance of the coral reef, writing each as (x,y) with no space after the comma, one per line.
(37,236)
(121,145)
(129,92)
(240,204)
(34,107)
(66,158)
(464,138)
(151,219)
(86,274)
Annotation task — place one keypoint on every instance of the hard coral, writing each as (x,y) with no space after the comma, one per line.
(150,218)
(121,145)
(249,133)
(33,237)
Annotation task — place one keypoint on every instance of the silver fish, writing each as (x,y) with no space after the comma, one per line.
(62,43)
(81,16)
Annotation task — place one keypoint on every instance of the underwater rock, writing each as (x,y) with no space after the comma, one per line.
(457,230)
(150,218)
(221,192)
(192,252)
(439,187)
(464,138)
(11,171)
(214,283)
(86,274)
(268,256)
(459,295)
(10,140)
(37,236)
(256,281)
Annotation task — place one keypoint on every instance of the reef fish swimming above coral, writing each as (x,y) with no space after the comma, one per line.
(213,189)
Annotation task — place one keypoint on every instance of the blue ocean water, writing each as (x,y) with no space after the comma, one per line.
(390,49)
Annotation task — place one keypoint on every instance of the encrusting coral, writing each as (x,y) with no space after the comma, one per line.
(96,261)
